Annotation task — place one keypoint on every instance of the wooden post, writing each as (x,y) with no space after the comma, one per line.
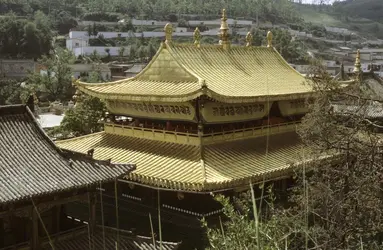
(56,213)
(35,230)
(2,233)
(92,217)
(284,185)
(117,216)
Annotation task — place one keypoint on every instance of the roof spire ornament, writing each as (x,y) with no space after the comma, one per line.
(269,39)
(249,39)
(357,65)
(197,37)
(224,31)
(168,32)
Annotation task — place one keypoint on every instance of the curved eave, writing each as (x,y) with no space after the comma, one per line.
(208,186)
(193,95)
(280,173)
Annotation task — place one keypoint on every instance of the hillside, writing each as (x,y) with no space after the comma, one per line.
(370,9)
(362,16)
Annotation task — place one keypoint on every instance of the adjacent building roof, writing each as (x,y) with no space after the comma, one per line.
(188,167)
(136,68)
(182,72)
(32,165)
(79,239)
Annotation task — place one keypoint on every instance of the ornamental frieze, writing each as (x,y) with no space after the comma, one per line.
(223,112)
(172,111)
(293,107)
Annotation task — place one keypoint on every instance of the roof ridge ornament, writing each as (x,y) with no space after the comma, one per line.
(269,39)
(249,39)
(168,32)
(357,65)
(224,31)
(197,37)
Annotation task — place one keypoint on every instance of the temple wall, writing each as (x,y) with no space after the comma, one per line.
(211,112)
(166,111)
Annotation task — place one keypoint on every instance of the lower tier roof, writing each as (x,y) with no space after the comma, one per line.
(79,239)
(186,167)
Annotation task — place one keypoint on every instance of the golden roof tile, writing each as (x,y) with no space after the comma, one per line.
(175,74)
(174,166)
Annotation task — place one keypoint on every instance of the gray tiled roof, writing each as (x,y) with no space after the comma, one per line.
(374,110)
(31,164)
(80,240)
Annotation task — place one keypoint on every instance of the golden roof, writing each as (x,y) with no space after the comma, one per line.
(187,167)
(182,72)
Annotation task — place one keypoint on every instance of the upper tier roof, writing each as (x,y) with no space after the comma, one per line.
(182,72)
(32,165)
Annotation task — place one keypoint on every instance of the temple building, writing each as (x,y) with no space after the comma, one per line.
(199,119)
(38,181)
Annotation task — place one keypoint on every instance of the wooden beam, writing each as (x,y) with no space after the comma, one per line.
(53,202)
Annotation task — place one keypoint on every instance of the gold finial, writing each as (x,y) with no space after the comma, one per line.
(197,37)
(269,39)
(75,81)
(357,65)
(249,39)
(168,32)
(224,34)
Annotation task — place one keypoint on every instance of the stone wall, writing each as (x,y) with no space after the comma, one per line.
(16,68)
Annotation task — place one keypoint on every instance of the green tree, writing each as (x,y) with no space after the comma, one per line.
(121,52)
(55,81)
(23,38)
(85,117)
(337,200)
(241,230)
(10,91)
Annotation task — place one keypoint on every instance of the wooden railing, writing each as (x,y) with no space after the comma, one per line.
(193,138)
(280,125)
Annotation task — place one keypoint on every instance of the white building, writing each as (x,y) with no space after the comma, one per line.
(111,34)
(217,22)
(338,30)
(181,29)
(101,50)
(73,43)
(79,34)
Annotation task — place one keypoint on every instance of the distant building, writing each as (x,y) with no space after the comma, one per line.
(338,30)
(118,70)
(100,50)
(369,54)
(79,69)
(40,181)
(134,70)
(73,43)
(181,29)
